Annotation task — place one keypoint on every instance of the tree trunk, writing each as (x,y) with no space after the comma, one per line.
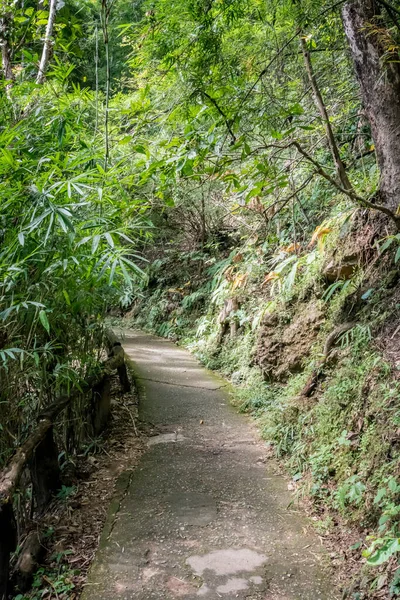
(47,43)
(45,471)
(30,555)
(5,50)
(379,80)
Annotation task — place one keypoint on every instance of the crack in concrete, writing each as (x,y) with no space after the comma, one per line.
(183,385)
(121,491)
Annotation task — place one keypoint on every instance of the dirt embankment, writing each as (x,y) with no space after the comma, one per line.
(283,346)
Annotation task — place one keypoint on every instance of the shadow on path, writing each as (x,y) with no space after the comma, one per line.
(203,515)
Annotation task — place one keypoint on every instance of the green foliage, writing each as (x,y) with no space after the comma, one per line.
(58,580)
(187,139)
(71,229)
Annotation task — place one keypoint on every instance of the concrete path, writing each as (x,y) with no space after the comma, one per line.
(204,515)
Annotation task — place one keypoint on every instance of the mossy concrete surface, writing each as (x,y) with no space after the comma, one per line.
(205,514)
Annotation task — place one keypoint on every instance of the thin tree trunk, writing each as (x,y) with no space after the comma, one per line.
(96,62)
(44,62)
(203,220)
(319,102)
(379,79)
(105,16)
(6,50)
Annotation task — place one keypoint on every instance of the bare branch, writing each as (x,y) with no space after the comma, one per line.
(350,193)
(221,112)
(341,171)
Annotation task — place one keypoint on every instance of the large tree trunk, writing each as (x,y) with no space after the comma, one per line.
(379,80)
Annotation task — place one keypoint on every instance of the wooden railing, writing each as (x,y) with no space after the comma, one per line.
(39,453)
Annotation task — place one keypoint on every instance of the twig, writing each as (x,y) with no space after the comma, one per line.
(132,418)
(221,112)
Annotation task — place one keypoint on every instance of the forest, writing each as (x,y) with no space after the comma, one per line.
(224,174)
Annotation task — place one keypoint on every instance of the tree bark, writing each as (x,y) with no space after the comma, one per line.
(319,102)
(47,43)
(45,471)
(6,50)
(379,79)
(31,553)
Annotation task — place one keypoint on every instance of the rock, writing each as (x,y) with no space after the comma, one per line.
(283,347)
(236,377)
(343,270)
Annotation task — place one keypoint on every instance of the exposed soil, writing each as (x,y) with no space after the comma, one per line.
(282,348)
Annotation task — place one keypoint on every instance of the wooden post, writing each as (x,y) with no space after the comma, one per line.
(45,471)
(8,543)
(124,379)
(101,405)
(117,360)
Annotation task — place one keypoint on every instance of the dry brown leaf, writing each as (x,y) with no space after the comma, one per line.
(272,276)
(319,233)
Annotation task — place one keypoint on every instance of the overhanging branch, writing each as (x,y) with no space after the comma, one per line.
(350,193)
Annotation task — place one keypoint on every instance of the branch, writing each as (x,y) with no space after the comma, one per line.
(319,101)
(392,12)
(286,200)
(271,62)
(350,193)
(221,112)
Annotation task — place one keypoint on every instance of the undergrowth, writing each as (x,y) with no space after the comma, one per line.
(341,445)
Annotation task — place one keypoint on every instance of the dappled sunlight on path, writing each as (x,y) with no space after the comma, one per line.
(203,516)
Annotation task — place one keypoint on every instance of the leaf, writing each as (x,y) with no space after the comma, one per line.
(133,266)
(319,233)
(112,272)
(44,320)
(331,290)
(95,243)
(386,244)
(271,277)
(393,487)
(367,294)
(67,298)
(240,281)
(109,239)
(125,273)
(289,281)
(140,149)
(356,546)
(291,248)
(397,257)
(383,554)
(21,238)
(382,492)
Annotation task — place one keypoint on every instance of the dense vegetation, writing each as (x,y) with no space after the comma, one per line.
(228,172)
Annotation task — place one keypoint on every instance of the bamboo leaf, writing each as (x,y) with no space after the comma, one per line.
(44,320)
